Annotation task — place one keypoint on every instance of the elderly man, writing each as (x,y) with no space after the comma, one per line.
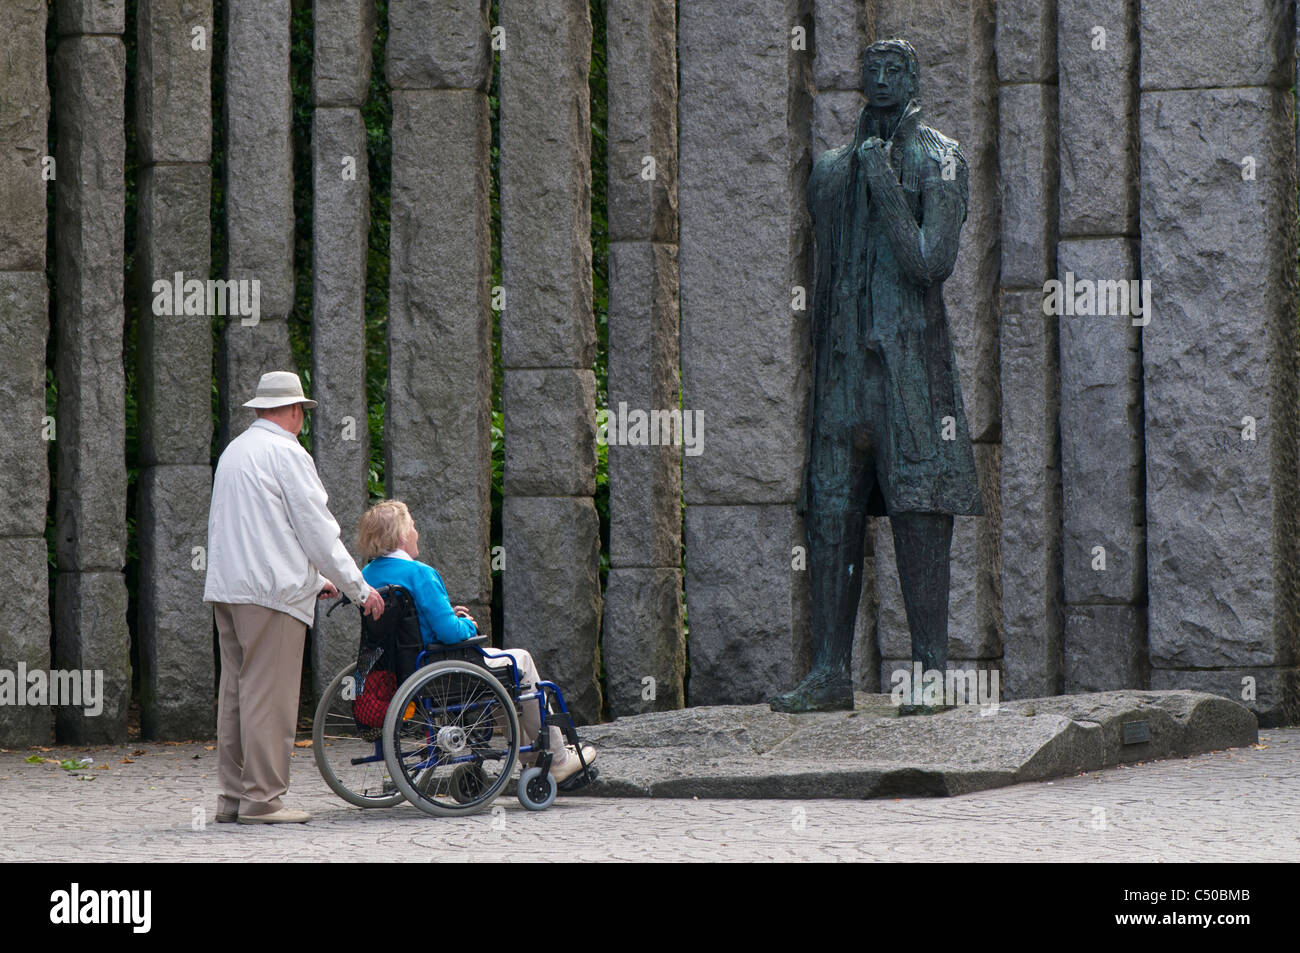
(273,549)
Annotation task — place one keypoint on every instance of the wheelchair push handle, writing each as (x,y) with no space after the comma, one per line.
(343,600)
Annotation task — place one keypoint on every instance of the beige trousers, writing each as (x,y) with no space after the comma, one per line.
(257,708)
(530,721)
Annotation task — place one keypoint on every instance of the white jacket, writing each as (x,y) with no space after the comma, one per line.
(270,536)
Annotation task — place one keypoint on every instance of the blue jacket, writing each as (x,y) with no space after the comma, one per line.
(438,621)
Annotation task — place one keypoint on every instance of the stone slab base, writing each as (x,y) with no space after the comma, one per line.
(748,751)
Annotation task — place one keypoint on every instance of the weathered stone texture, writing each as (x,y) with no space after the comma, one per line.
(1105,648)
(24,634)
(1031,507)
(643,638)
(174,350)
(550,531)
(835,119)
(739,584)
(445,44)
(1027,156)
(90,16)
(24,477)
(641,63)
(552,602)
(90,628)
(1098,114)
(340,424)
(177,672)
(550,432)
(438,425)
(1101,433)
(1221,347)
(1271,693)
(245,353)
(842,34)
(546,185)
(343,32)
(24,116)
(91,500)
(341,224)
(988,554)
(645,482)
(1211,43)
(743,249)
(173,103)
(1026,40)
(259,153)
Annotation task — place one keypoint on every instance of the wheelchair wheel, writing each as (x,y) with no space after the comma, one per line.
(451,738)
(535,792)
(337,743)
(467,782)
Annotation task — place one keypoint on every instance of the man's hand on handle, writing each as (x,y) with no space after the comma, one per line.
(329,592)
(374,605)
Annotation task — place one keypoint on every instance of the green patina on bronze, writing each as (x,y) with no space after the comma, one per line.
(887,430)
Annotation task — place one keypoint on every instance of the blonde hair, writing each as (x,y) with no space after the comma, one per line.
(382,528)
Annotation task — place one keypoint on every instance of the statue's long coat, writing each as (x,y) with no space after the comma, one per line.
(887,275)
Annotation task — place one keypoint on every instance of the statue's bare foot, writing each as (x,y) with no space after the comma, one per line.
(817,692)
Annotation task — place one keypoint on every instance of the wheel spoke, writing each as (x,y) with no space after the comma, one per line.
(463,722)
(337,742)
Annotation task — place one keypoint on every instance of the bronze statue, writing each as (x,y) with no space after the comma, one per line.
(887,429)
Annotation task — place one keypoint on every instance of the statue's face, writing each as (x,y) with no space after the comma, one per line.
(886,82)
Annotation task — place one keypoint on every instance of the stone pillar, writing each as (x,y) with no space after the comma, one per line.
(1100,351)
(438,426)
(844,29)
(24,327)
(1218,184)
(745,119)
(259,200)
(90,630)
(959,98)
(1030,473)
(174,353)
(343,33)
(548,343)
(643,635)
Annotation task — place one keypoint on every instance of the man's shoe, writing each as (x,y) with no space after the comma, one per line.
(817,692)
(282,816)
(227,817)
(572,765)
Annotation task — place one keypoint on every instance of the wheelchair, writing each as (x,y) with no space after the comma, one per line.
(451,733)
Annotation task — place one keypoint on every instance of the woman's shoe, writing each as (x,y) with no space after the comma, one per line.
(572,764)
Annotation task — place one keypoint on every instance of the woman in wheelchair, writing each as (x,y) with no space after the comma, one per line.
(389,539)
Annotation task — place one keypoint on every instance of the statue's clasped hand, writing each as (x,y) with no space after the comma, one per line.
(873,156)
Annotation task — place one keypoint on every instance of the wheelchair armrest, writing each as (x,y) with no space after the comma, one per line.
(437,648)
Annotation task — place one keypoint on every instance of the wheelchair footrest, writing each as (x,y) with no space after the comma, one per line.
(579,780)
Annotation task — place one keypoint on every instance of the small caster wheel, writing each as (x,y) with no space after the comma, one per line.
(535,792)
(467,783)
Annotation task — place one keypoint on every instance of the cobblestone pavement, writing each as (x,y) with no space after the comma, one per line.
(1236,805)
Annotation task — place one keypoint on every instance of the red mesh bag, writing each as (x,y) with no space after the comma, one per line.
(370,707)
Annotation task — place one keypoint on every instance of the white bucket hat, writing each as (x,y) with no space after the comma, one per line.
(279,389)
